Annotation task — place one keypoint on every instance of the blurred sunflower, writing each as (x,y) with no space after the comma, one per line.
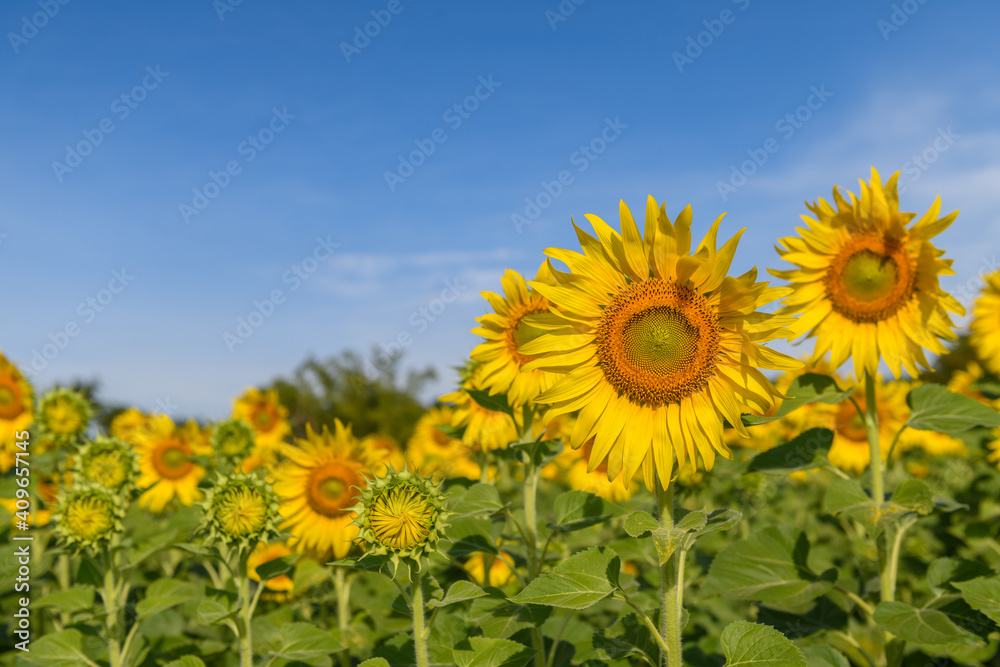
(63,414)
(432,451)
(317,485)
(167,470)
(579,478)
(985,325)
(649,335)
(132,424)
(500,573)
(850,450)
(88,514)
(108,462)
(994,447)
(280,588)
(384,450)
(47,489)
(866,285)
(485,429)
(269,419)
(16,406)
(505,330)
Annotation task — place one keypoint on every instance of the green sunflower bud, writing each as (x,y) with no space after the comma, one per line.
(232,440)
(88,515)
(108,462)
(63,414)
(240,509)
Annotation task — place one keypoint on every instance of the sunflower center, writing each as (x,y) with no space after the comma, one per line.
(658,342)
(871,278)
(88,518)
(330,491)
(107,469)
(171,459)
(265,418)
(241,511)
(11,404)
(401,517)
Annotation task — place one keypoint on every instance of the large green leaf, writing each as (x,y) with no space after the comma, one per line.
(375,662)
(635,639)
(982,594)
(477,499)
(845,496)
(577,583)
(802,453)
(770,567)
(276,567)
(77,598)
(500,618)
(746,643)
(58,649)
(302,641)
(946,572)
(460,591)
(487,652)
(805,389)
(164,594)
(934,408)
(824,656)
(471,535)
(640,524)
(922,626)
(576,510)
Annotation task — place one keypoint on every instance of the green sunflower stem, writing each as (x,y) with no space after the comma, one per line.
(343,586)
(246,612)
(109,593)
(419,628)
(671,590)
(878,483)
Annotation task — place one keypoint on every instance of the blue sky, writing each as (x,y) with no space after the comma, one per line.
(205,150)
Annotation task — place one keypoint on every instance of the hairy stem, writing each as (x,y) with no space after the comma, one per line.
(671,594)
(419,633)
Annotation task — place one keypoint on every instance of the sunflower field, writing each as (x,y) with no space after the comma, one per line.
(628,474)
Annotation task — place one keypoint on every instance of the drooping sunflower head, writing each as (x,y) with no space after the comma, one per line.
(88,515)
(16,399)
(505,330)
(655,344)
(108,462)
(265,414)
(866,281)
(232,440)
(241,509)
(484,429)
(317,485)
(985,325)
(64,414)
(402,515)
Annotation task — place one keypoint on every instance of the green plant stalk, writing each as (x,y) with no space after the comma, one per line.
(671,593)
(878,480)
(246,611)
(62,574)
(109,593)
(343,588)
(417,604)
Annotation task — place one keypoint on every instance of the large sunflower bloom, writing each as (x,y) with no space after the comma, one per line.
(317,486)
(659,339)
(167,470)
(505,330)
(269,419)
(866,285)
(985,326)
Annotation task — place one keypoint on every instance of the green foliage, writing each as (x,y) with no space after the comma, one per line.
(747,643)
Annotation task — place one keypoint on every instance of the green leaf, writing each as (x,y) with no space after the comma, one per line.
(367,563)
(844,493)
(824,615)
(499,618)
(719,520)
(934,408)
(576,510)
(478,499)
(375,662)
(456,433)
(495,402)
(198,549)
(276,567)
(577,583)
(216,606)
(58,649)
(824,656)
(486,652)
(668,541)
(471,535)
(914,494)
(640,524)
(164,594)
(847,497)
(302,641)
(964,616)
(635,639)
(802,453)
(90,573)
(540,451)
(186,661)
(982,594)
(77,598)
(460,591)
(770,567)
(746,643)
(946,572)
(921,626)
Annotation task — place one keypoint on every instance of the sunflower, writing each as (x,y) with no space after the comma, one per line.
(866,285)
(16,403)
(64,414)
(232,440)
(265,413)
(432,451)
(384,449)
(43,501)
(579,478)
(88,514)
(241,509)
(108,462)
(485,429)
(994,447)
(647,334)
(317,486)
(850,450)
(985,326)
(505,330)
(167,470)
(280,588)
(500,573)
(132,424)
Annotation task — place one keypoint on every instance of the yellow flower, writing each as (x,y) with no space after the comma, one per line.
(64,414)
(401,517)
(88,514)
(132,424)
(385,450)
(232,440)
(500,572)
(485,429)
(432,451)
(16,405)
(241,508)
(317,486)
(596,481)
(280,588)
(108,462)
(656,345)
(264,412)
(851,450)
(505,330)
(167,470)
(866,285)
(47,497)
(985,325)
